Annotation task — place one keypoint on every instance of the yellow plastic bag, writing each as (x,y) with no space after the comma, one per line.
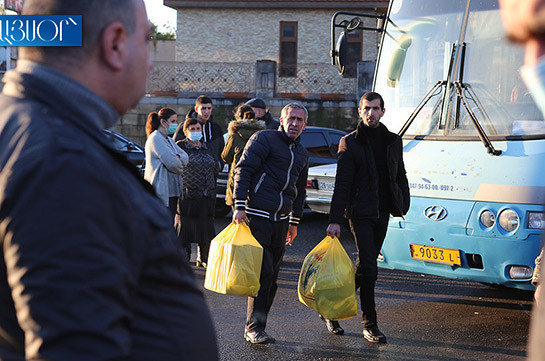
(234,262)
(326,282)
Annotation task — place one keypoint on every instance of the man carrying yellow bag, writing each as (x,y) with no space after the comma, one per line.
(269,192)
(326,282)
(234,262)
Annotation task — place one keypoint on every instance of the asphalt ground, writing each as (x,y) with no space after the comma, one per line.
(424,317)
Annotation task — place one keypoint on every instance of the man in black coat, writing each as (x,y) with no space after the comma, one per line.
(370,185)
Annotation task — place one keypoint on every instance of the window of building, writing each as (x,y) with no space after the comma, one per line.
(288,49)
(354,51)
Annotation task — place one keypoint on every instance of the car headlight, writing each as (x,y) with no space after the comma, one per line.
(488,219)
(509,220)
(536,220)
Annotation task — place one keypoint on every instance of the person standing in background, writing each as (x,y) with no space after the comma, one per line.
(262,113)
(198,200)
(212,133)
(165,161)
(240,130)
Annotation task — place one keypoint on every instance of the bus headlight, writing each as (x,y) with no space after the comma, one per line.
(488,218)
(520,272)
(509,220)
(536,220)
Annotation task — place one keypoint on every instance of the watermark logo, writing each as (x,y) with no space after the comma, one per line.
(40,30)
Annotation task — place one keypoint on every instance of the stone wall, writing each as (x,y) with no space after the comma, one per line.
(215,48)
(338,114)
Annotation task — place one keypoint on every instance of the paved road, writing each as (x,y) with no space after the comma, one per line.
(424,317)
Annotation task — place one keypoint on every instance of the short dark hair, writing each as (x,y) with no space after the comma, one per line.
(189,122)
(244,112)
(202,99)
(97,15)
(370,96)
(154,119)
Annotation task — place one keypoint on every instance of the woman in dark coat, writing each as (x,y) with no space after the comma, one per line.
(240,130)
(198,198)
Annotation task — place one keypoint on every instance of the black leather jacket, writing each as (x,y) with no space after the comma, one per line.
(356,183)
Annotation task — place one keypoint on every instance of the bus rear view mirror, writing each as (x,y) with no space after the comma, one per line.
(341,53)
(397,60)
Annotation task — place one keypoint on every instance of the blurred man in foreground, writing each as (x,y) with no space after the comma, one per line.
(89,268)
(524,23)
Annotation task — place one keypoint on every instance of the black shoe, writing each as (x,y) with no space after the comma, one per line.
(373,334)
(333,326)
(260,337)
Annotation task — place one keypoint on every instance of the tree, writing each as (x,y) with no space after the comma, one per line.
(169,34)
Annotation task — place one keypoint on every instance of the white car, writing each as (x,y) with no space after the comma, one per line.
(320,185)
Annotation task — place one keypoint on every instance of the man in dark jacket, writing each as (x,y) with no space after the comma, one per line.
(211,131)
(370,185)
(262,113)
(269,192)
(89,268)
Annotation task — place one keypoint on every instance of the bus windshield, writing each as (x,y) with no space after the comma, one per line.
(439,53)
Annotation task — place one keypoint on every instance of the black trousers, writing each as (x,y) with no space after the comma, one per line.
(272,237)
(172,207)
(369,235)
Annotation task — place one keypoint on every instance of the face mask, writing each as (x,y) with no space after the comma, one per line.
(172,128)
(534,78)
(195,136)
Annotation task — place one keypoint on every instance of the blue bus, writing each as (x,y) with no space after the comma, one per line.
(474,141)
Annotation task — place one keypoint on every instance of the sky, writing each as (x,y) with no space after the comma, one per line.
(161,15)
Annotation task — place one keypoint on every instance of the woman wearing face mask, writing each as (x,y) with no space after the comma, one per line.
(165,161)
(198,199)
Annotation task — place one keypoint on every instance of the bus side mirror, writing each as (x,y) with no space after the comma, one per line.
(398,60)
(341,53)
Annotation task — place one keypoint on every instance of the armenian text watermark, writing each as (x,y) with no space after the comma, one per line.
(41,30)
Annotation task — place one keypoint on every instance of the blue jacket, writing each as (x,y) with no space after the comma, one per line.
(271,177)
(89,268)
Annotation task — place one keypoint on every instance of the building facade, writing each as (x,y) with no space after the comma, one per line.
(273,49)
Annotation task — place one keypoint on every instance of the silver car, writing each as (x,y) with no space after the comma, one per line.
(320,185)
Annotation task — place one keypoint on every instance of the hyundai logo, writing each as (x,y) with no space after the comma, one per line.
(435,213)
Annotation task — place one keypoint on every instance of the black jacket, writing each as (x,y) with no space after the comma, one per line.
(270,122)
(88,249)
(212,135)
(271,177)
(356,183)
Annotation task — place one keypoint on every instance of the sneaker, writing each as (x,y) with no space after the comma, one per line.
(373,334)
(256,337)
(200,264)
(333,326)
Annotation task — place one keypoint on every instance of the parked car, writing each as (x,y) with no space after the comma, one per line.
(321,144)
(134,152)
(320,185)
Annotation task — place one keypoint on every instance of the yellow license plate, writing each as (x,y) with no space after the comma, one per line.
(435,254)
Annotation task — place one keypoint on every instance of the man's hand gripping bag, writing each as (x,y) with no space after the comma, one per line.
(326,281)
(234,262)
